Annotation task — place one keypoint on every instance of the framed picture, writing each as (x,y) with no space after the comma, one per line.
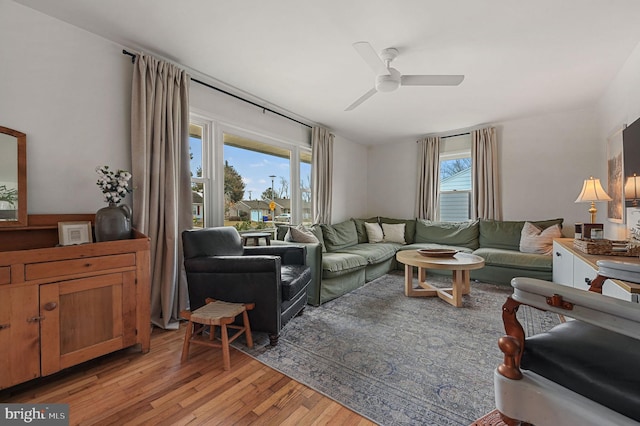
(615,185)
(70,233)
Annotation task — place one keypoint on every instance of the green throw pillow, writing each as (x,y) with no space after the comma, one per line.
(340,235)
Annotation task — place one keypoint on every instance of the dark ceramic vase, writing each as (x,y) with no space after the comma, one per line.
(113,223)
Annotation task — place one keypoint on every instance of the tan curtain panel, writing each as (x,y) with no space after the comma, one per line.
(486,189)
(322,174)
(428,193)
(161,181)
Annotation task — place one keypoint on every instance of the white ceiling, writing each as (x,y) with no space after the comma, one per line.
(519,57)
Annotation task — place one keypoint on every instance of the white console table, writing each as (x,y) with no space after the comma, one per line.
(573,268)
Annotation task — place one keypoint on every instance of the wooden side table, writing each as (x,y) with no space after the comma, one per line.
(255,237)
(216,313)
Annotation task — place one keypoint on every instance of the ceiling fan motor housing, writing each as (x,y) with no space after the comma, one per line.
(388,82)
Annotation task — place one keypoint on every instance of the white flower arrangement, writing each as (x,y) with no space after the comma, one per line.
(114,185)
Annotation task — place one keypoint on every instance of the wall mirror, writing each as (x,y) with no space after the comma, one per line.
(13,178)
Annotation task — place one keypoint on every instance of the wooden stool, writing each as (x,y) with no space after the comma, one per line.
(214,313)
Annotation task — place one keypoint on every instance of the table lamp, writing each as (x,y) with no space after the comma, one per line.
(591,192)
(631,188)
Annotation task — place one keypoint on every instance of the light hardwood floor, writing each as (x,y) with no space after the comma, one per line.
(131,388)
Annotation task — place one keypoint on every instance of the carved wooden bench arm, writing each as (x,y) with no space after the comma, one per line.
(511,344)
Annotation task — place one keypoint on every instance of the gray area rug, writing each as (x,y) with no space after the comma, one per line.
(400,360)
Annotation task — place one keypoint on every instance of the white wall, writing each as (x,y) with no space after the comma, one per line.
(350,186)
(544,159)
(392,176)
(620,105)
(69,91)
(241,114)
(543,162)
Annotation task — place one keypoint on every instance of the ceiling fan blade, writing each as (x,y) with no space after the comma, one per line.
(431,80)
(371,57)
(361,99)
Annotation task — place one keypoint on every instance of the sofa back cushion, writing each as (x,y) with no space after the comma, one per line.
(339,235)
(409,227)
(505,234)
(360,228)
(462,234)
(281,231)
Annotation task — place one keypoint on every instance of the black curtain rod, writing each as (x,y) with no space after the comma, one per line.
(263,108)
(451,136)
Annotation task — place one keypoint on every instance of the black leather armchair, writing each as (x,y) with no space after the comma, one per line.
(275,278)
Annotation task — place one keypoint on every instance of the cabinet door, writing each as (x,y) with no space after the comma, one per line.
(583,274)
(562,265)
(86,318)
(19,334)
(611,289)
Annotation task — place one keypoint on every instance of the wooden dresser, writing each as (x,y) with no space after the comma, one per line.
(60,306)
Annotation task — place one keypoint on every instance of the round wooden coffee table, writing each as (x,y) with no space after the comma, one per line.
(460,264)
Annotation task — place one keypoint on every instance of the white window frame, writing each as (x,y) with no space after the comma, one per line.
(456,147)
(213,163)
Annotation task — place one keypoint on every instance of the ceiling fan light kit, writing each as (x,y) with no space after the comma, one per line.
(389,79)
(389,82)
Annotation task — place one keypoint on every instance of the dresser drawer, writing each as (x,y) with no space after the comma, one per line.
(60,268)
(5,274)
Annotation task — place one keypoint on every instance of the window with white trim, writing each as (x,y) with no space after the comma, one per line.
(247,180)
(455,178)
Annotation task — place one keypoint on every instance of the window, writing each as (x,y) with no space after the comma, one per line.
(256,183)
(197,181)
(455,178)
(305,187)
(245,180)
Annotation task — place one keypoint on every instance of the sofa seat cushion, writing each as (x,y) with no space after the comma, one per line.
(418,246)
(373,252)
(589,360)
(515,259)
(293,279)
(337,264)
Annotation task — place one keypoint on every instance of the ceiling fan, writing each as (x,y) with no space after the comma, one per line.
(389,79)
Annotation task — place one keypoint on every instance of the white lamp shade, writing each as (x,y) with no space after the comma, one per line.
(592,191)
(632,187)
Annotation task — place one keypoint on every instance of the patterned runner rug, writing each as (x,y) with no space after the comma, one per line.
(398,360)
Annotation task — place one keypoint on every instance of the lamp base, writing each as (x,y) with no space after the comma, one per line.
(593,211)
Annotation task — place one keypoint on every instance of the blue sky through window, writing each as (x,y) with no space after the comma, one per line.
(254,167)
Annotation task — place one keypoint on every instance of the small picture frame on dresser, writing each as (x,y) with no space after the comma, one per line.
(588,227)
(72,233)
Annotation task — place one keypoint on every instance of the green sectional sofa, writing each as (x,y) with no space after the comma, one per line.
(345,259)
